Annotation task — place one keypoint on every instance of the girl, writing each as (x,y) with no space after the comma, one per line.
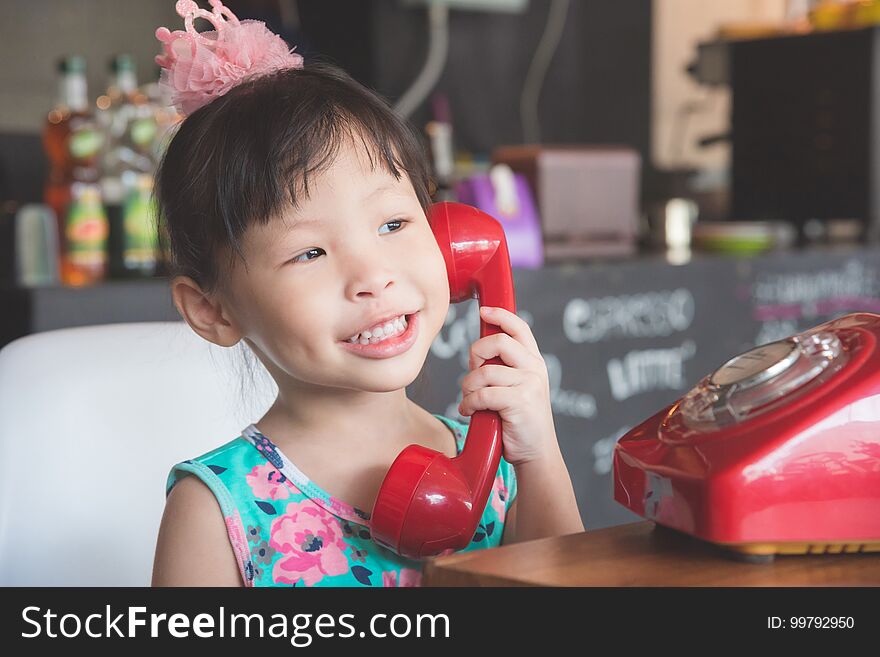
(295,202)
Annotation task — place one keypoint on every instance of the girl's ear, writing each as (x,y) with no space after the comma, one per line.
(204,315)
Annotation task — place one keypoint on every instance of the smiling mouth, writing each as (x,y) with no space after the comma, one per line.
(394,343)
(382,332)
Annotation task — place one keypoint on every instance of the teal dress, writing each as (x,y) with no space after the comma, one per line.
(286,531)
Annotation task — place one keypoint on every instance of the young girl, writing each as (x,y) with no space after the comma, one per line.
(295,203)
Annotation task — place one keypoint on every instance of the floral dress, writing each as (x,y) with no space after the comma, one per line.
(286,531)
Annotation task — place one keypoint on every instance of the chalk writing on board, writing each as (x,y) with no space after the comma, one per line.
(461,329)
(785,303)
(643,315)
(572,403)
(852,279)
(649,369)
(603,451)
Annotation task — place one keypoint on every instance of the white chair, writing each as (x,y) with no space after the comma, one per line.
(91,421)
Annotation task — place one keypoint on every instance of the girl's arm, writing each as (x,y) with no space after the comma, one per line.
(546,501)
(193,548)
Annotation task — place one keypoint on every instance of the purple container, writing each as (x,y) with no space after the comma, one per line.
(522,227)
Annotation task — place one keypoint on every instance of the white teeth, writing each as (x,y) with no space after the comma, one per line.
(381,331)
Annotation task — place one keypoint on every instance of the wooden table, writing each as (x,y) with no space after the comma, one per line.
(639,554)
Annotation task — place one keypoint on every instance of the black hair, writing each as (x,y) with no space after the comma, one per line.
(248,155)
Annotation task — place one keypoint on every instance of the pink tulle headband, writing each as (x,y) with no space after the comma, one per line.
(197,68)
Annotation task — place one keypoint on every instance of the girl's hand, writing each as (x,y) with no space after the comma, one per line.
(519,390)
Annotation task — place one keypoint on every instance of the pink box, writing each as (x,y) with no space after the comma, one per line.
(587,196)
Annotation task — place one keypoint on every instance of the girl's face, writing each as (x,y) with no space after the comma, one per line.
(358,249)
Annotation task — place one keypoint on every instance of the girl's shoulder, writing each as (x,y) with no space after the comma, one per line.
(237,455)
(457,427)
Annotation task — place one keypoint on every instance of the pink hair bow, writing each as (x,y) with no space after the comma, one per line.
(197,68)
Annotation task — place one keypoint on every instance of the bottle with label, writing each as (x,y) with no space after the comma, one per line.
(439,132)
(72,141)
(129,125)
(85,232)
(141,242)
(128,118)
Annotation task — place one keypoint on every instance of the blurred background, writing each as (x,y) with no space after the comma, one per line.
(679,180)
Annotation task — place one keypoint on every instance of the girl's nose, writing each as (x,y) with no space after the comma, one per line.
(374,286)
(367,276)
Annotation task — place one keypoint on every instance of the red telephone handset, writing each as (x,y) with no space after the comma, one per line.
(428,502)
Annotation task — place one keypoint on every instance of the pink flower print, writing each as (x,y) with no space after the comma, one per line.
(408,577)
(499,496)
(311,544)
(268,483)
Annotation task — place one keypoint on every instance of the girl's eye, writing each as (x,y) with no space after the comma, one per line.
(304,256)
(399,223)
(297,258)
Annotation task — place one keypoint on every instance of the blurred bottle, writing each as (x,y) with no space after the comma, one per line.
(867,13)
(36,246)
(128,117)
(84,261)
(129,125)
(439,132)
(72,141)
(832,14)
(140,249)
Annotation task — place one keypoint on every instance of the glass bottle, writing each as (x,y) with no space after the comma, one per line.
(141,241)
(129,125)
(72,141)
(85,232)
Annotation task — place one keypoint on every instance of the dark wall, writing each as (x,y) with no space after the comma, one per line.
(23,167)
(597,89)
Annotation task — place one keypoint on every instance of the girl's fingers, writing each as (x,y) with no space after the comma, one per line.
(498,399)
(512,324)
(490,375)
(512,353)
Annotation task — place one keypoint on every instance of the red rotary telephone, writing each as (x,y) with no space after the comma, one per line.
(428,502)
(776,452)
